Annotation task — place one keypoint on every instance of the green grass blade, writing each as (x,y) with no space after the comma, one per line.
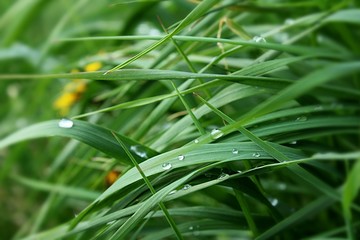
(133,74)
(56,188)
(302,86)
(348,16)
(127,227)
(199,10)
(149,185)
(278,155)
(301,215)
(351,190)
(188,109)
(91,134)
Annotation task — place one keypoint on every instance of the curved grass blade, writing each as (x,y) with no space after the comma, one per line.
(205,228)
(127,227)
(347,15)
(209,153)
(198,11)
(57,188)
(294,49)
(149,185)
(90,134)
(123,213)
(134,75)
(279,156)
(227,95)
(351,190)
(300,215)
(310,81)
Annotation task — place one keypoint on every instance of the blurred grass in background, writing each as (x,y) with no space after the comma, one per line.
(268,147)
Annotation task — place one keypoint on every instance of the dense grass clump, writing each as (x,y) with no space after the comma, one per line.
(180,119)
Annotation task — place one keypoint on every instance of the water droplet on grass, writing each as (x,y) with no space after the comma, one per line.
(274,201)
(166,166)
(256,155)
(223,176)
(111,222)
(181,157)
(196,233)
(282,186)
(196,141)
(216,133)
(289,21)
(235,151)
(318,108)
(259,39)
(195,230)
(66,123)
(186,187)
(137,149)
(172,192)
(301,119)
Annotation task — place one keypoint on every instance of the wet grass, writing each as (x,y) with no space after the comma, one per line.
(180,120)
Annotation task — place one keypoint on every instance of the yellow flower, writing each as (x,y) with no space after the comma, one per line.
(73,90)
(76,86)
(64,102)
(111,177)
(94,66)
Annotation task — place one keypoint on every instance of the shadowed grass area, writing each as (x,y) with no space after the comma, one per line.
(179,119)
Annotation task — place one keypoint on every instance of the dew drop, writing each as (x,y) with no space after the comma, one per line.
(66,123)
(196,141)
(282,186)
(172,192)
(111,222)
(166,166)
(259,39)
(256,155)
(301,119)
(282,37)
(239,171)
(196,231)
(186,187)
(319,108)
(235,151)
(289,21)
(293,142)
(137,149)
(191,228)
(223,176)
(181,157)
(274,201)
(216,133)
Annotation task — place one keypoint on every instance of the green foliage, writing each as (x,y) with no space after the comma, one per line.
(181,119)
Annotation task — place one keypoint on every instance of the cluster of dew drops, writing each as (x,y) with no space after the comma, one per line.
(215,133)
